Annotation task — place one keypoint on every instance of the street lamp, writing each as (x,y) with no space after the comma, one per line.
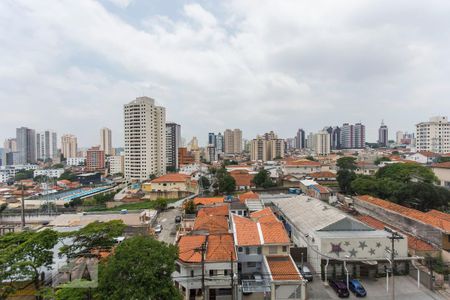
(345,268)
(394,236)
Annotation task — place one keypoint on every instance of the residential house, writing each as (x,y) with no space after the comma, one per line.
(442,172)
(243,178)
(423,157)
(301,167)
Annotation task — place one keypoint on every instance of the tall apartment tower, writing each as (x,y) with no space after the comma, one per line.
(267,147)
(46,145)
(360,135)
(145,139)
(300,139)
(219,143)
(258,149)
(336,138)
(433,135)
(173,143)
(322,143)
(95,159)
(106,141)
(26,145)
(383,135)
(9,152)
(232,141)
(353,136)
(69,147)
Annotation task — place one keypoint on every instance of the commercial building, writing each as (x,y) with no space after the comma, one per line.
(145,139)
(116,164)
(322,143)
(383,135)
(69,147)
(300,139)
(232,141)
(106,141)
(26,145)
(173,143)
(46,145)
(433,135)
(95,159)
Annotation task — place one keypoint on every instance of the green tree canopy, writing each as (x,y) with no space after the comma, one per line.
(96,235)
(226,183)
(346,163)
(68,175)
(204,182)
(24,174)
(379,160)
(262,179)
(344,178)
(140,268)
(406,172)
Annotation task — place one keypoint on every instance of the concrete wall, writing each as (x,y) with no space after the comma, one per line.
(443,175)
(167,195)
(416,228)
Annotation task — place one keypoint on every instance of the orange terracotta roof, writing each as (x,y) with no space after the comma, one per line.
(212,224)
(220,247)
(187,246)
(246,231)
(413,242)
(242,178)
(248,195)
(325,174)
(293,163)
(263,212)
(428,153)
(220,210)
(208,201)
(442,165)
(439,214)
(282,268)
(408,212)
(172,177)
(274,232)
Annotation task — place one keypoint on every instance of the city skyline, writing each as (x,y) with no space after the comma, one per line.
(218,64)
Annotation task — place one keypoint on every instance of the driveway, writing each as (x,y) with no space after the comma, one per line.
(405,288)
(167,220)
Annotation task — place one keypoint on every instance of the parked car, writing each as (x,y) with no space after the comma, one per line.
(158,228)
(357,288)
(340,288)
(306,272)
(177,219)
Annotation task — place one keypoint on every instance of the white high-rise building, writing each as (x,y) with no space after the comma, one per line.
(46,145)
(106,141)
(433,135)
(145,139)
(116,164)
(322,143)
(69,147)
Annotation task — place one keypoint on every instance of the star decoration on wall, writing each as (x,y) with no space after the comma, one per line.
(372,251)
(387,249)
(362,245)
(353,252)
(378,244)
(336,249)
(347,243)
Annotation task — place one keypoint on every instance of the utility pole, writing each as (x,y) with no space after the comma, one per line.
(394,236)
(203,250)
(430,266)
(232,276)
(23,207)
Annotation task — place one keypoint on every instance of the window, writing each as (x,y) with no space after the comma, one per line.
(247,250)
(177,268)
(259,250)
(225,272)
(251,264)
(273,249)
(192,273)
(240,249)
(284,248)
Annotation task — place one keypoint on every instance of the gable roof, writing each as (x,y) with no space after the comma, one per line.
(245,231)
(282,267)
(430,219)
(208,200)
(439,214)
(428,154)
(242,178)
(211,224)
(442,165)
(302,163)
(172,177)
(219,210)
(248,195)
(187,246)
(220,247)
(324,174)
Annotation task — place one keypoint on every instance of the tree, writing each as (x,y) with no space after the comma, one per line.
(152,176)
(58,166)
(406,172)
(24,174)
(228,162)
(262,179)
(443,159)
(309,157)
(204,182)
(23,255)
(96,235)
(363,185)
(68,175)
(226,183)
(140,268)
(189,207)
(160,204)
(345,178)
(347,163)
(40,178)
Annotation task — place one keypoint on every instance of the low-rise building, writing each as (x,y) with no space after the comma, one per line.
(76,161)
(301,167)
(442,172)
(423,157)
(52,173)
(116,164)
(243,178)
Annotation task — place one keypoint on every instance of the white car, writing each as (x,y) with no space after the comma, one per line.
(158,228)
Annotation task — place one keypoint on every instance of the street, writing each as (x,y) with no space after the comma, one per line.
(167,220)
(405,288)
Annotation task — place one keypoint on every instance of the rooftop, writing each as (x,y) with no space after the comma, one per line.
(443,165)
(282,268)
(173,177)
(208,201)
(211,224)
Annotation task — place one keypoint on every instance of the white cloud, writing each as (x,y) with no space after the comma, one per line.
(257,65)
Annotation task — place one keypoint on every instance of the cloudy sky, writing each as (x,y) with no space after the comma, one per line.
(255,65)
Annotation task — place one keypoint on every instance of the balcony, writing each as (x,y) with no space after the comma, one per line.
(255,286)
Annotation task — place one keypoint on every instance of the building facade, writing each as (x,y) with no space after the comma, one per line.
(46,145)
(383,135)
(433,135)
(95,159)
(9,151)
(145,139)
(322,143)
(300,139)
(26,145)
(69,147)
(116,164)
(106,141)
(173,143)
(232,141)
(353,136)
